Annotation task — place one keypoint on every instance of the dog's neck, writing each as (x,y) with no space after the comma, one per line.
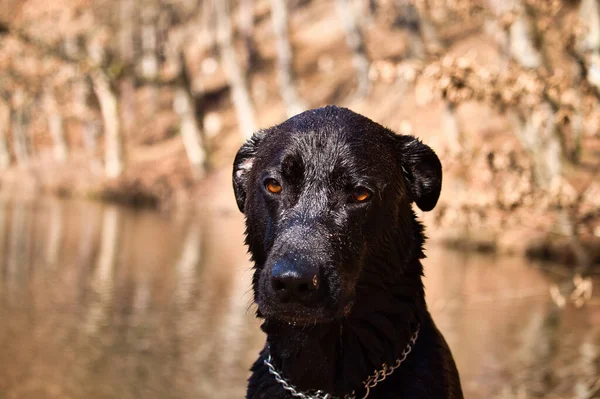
(337,356)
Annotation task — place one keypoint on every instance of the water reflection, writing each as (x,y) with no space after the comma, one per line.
(102,302)
(509,338)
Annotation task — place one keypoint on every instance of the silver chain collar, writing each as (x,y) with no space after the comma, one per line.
(369,383)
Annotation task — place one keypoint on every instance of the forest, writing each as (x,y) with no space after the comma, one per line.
(146,101)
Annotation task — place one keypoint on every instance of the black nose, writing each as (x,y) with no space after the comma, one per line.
(295,281)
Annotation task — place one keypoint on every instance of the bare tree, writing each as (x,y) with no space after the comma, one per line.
(237,79)
(408,18)
(90,130)
(589,16)
(19,121)
(4,128)
(428,31)
(535,128)
(113,140)
(586,53)
(208,25)
(452,128)
(355,40)
(287,88)
(114,162)
(55,126)
(521,39)
(127,26)
(149,60)
(246,29)
(191,134)
(425,42)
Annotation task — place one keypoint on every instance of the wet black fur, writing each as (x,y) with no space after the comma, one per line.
(371,299)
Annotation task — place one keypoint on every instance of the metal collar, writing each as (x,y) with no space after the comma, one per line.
(377,377)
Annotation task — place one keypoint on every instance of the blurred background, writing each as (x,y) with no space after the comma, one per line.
(122,267)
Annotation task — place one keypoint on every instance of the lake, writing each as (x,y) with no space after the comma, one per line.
(99,301)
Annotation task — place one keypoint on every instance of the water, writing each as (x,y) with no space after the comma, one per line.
(105,302)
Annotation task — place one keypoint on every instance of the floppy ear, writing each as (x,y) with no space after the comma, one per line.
(242,165)
(423,171)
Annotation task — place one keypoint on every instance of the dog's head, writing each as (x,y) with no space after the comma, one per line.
(327,197)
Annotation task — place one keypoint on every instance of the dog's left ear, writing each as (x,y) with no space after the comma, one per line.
(242,165)
(423,171)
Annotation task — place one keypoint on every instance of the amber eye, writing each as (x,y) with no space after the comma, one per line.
(273,186)
(361,194)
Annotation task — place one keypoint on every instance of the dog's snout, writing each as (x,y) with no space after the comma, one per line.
(294,281)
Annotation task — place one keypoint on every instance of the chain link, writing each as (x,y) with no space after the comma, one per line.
(368,384)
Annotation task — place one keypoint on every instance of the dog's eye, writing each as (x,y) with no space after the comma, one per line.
(273,186)
(361,194)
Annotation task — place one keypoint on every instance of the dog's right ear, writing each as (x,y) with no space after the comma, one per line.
(244,160)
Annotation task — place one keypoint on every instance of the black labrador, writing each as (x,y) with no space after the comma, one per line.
(336,246)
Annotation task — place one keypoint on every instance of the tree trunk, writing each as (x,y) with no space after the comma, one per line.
(82,91)
(279,16)
(409,19)
(190,120)
(19,120)
(237,79)
(578,131)
(90,129)
(536,132)
(355,41)
(190,130)
(149,61)
(425,42)
(246,29)
(113,140)
(589,15)
(452,129)
(4,129)
(56,127)
(149,65)
(127,25)
(535,127)
(521,42)
(428,29)
(208,26)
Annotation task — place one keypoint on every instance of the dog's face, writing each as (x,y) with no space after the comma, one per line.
(324,194)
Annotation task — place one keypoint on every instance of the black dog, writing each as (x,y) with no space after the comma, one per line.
(327,197)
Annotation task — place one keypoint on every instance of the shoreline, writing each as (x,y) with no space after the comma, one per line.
(534,242)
